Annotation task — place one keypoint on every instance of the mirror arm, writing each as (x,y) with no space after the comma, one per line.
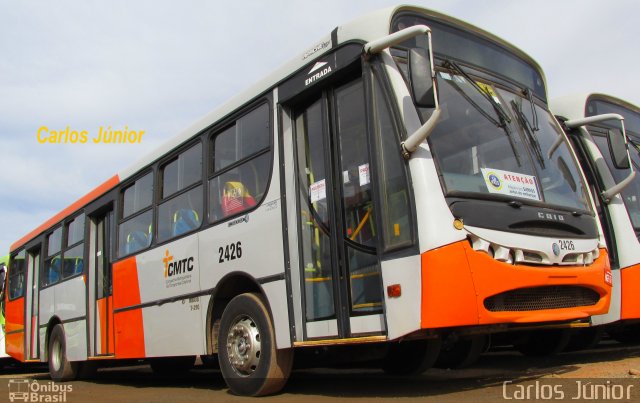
(412,142)
(608,194)
(572,124)
(378,45)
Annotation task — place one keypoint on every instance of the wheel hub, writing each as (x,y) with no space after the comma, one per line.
(243,345)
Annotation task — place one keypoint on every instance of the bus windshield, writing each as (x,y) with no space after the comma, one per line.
(510,160)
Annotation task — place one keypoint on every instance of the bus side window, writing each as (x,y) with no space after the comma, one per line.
(241,165)
(180,211)
(16,275)
(52,265)
(73,256)
(135,231)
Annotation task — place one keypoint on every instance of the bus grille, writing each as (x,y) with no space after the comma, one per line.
(537,298)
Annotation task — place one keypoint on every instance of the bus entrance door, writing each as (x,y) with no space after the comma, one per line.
(100,291)
(340,270)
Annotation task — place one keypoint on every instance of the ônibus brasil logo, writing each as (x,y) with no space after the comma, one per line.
(33,391)
(173,268)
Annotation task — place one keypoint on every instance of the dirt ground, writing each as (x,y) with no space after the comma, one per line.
(501,375)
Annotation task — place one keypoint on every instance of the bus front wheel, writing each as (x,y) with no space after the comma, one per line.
(540,343)
(411,357)
(249,361)
(60,368)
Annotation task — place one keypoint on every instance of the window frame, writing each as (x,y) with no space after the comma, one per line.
(211,172)
(12,274)
(151,207)
(65,239)
(162,164)
(49,258)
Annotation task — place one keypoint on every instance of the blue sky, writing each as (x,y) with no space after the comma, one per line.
(159,65)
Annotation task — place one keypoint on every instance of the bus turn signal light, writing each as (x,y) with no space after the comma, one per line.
(394,291)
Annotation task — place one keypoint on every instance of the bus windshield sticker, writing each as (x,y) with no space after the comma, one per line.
(345,177)
(510,183)
(318,191)
(363,170)
(487,88)
(446,76)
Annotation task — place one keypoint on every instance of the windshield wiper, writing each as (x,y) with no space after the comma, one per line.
(529,131)
(504,118)
(535,127)
(502,115)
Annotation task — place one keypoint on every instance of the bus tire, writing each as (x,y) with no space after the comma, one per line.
(172,365)
(626,334)
(463,353)
(60,368)
(585,339)
(545,342)
(249,361)
(411,357)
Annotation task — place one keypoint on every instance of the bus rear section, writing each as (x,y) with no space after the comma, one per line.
(609,153)
(378,195)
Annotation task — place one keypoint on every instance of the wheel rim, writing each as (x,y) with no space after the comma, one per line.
(244,345)
(56,355)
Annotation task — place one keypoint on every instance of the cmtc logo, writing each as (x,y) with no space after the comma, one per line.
(556,249)
(172,268)
(495,181)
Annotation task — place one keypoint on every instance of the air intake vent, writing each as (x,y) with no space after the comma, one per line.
(537,298)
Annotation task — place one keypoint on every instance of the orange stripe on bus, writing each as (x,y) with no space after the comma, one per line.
(630,279)
(129,330)
(14,315)
(83,201)
(448,292)
(105,311)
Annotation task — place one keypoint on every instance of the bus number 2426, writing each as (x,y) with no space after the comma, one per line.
(231,251)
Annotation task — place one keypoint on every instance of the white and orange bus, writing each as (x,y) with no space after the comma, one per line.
(384,191)
(609,153)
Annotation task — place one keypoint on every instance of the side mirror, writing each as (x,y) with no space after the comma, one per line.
(618,149)
(420,78)
(423,82)
(617,140)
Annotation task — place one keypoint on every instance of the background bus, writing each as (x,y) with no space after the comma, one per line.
(4,261)
(289,219)
(603,156)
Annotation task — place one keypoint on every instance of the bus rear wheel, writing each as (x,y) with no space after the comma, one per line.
(60,368)
(411,357)
(249,361)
